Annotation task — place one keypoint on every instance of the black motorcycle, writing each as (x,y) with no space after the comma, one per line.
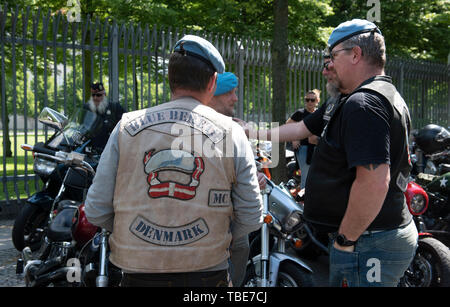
(71,135)
(431,165)
(74,252)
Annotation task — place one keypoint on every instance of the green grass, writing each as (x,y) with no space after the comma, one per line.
(24,160)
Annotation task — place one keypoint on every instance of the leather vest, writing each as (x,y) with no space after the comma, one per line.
(329,178)
(172,198)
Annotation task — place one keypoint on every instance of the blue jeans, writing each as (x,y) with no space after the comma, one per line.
(380,259)
(301,154)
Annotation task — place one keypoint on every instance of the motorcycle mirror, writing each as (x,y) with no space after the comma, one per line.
(53,118)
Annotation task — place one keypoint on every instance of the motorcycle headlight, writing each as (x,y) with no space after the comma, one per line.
(43,167)
(292,221)
(417,203)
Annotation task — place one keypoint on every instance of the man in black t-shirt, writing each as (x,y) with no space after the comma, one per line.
(360,167)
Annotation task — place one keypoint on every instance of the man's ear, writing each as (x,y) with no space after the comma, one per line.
(357,54)
(212,84)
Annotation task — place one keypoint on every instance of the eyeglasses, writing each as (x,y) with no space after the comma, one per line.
(310,99)
(97,95)
(333,53)
(325,65)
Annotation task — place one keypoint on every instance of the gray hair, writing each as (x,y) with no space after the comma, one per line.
(372,46)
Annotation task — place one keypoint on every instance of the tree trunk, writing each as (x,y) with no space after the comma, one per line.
(279,70)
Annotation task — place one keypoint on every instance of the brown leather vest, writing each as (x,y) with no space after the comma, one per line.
(172,198)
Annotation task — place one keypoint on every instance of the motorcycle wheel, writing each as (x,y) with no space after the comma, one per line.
(430,266)
(289,275)
(28,227)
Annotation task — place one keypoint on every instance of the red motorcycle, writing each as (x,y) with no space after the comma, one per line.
(431,264)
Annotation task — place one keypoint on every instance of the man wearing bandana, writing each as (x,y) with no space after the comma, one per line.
(109,112)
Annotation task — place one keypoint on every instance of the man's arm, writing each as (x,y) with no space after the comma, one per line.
(366,199)
(99,201)
(245,192)
(285,133)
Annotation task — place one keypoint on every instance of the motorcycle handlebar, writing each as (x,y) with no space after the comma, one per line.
(38,149)
(71,158)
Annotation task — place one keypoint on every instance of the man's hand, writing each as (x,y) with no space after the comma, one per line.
(261,180)
(349,249)
(295,144)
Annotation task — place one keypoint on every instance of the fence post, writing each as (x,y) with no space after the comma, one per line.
(115,64)
(401,78)
(240,56)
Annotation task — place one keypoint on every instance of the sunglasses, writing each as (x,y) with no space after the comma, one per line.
(97,95)
(310,99)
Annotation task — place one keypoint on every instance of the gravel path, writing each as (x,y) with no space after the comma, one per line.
(8,257)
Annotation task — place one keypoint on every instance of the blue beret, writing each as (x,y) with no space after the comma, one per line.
(225,83)
(348,29)
(201,49)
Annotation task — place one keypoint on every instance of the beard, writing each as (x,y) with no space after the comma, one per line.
(101,108)
(332,89)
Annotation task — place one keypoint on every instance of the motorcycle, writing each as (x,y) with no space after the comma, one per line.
(74,252)
(431,161)
(71,135)
(269,265)
(431,264)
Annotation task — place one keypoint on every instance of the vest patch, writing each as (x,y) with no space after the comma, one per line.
(172,160)
(180,116)
(169,236)
(219,198)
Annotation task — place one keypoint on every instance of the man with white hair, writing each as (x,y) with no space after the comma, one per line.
(109,112)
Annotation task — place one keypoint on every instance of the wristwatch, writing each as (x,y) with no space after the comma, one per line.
(343,241)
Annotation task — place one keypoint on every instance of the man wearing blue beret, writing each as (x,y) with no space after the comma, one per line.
(225,95)
(359,172)
(174,178)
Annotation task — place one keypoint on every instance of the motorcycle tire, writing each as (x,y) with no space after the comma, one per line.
(289,275)
(30,219)
(430,266)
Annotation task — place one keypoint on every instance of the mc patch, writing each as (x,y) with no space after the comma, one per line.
(219,198)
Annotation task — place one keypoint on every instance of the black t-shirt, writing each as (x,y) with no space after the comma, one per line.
(359,132)
(298,116)
(363,128)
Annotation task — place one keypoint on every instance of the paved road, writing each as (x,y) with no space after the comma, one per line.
(9,256)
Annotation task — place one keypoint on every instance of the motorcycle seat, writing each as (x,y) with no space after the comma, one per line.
(60,229)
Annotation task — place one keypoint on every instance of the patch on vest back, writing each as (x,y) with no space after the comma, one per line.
(177,161)
(219,198)
(180,116)
(169,236)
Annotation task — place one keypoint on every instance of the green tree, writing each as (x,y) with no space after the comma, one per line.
(412,28)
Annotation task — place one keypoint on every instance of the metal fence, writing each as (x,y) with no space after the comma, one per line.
(48,61)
